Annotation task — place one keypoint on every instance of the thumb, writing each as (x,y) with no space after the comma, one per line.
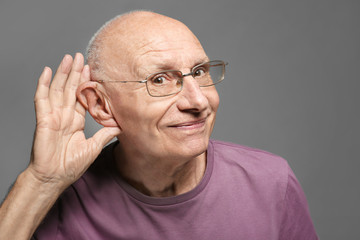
(104,135)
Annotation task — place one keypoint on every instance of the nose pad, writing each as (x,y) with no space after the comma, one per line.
(179,83)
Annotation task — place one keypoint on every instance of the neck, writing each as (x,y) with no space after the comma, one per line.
(160,177)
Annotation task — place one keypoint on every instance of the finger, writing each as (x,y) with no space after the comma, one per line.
(41,99)
(85,76)
(103,136)
(57,86)
(73,81)
(79,108)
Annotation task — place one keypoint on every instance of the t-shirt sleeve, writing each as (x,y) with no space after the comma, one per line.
(296,221)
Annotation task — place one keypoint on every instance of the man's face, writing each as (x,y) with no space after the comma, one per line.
(177,126)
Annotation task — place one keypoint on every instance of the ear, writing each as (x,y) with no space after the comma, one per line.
(95,103)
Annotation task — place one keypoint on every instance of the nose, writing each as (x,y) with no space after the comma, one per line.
(192,98)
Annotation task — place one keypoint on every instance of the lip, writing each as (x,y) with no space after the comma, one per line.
(190,125)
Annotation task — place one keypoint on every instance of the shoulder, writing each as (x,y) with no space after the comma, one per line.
(248,157)
(256,170)
(269,182)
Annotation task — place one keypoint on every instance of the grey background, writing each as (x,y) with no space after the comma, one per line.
(291,87)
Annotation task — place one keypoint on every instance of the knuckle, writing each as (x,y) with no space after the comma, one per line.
(72,86)
(38,99)
(57,90)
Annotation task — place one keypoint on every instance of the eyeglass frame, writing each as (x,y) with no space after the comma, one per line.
(191,73)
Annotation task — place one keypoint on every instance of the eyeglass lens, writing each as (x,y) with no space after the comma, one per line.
(170,82)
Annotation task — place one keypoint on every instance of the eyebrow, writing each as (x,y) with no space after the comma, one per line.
(170,66)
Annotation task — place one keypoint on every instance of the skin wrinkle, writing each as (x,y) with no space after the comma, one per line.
(154,156)
(167,63)
(130,30)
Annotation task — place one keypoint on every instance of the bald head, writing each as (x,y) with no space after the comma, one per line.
(146,46)
(117,45)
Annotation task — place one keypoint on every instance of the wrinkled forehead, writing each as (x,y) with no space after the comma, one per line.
(168,53)
(147,45)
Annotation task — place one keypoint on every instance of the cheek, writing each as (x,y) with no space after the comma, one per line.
(137,114)
(213,98)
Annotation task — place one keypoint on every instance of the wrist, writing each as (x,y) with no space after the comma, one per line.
(26,205)
(43,186)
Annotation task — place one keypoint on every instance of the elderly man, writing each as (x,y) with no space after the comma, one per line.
(151,85)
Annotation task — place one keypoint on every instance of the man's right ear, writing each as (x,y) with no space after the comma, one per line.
(94,101)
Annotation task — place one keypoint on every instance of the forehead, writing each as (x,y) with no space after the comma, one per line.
(146,48)
(168,54)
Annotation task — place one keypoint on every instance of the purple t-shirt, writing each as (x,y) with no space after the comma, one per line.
(245,193)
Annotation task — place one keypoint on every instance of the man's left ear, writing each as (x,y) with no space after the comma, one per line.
(94,101)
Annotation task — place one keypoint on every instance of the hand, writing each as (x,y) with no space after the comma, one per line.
(61,153)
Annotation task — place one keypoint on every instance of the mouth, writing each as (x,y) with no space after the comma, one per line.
(190,125)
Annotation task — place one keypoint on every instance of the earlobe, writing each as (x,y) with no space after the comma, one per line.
(94,101)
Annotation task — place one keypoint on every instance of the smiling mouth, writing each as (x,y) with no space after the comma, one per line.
(190,125)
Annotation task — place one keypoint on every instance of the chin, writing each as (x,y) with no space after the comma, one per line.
(192,148)
(186,144)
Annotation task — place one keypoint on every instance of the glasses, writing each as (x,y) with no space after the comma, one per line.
(166,83)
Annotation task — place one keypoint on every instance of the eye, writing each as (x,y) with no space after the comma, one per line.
(158,80)
(200,72)
(162,78)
